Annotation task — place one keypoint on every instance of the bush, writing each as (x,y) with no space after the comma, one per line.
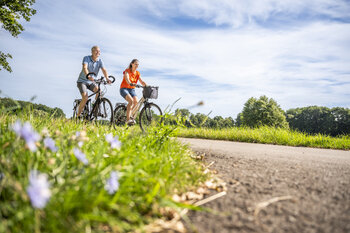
(262,111)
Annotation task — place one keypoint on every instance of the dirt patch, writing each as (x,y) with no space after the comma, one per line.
(275,189)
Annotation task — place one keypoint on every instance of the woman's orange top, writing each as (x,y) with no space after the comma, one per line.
(133,78)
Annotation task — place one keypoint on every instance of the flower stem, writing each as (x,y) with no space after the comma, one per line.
(37,221)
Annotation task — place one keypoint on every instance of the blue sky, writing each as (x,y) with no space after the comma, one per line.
(221,52)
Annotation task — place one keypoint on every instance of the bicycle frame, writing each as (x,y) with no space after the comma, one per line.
(137,108)
(100,94)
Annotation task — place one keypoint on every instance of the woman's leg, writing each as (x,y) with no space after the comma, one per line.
(129,106)
(135,101)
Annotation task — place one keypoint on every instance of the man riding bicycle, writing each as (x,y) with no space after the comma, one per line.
(91,64)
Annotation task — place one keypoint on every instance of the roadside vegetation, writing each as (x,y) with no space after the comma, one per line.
(268,135)
(60,176)
(263,121)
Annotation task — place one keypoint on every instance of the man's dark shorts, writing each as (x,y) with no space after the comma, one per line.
(125,91)
(84,86)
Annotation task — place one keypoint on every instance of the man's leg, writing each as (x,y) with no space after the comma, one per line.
(95,90)
(84,98)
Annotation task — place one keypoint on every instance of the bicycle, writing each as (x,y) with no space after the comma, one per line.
(102,110)
(150,115)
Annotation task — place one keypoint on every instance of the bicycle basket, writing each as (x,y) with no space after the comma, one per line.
(150,92)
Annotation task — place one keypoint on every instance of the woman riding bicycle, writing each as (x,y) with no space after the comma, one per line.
(127,88)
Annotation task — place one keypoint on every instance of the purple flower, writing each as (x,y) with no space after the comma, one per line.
(26,132)
(115,143)
(81,156)
(112,184)
(49,143)
(39,189)
(80,144)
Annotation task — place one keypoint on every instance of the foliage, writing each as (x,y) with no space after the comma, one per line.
(11,12)
(263,111)
(3,61)
(202,120)
(150,169)
(39,110)
(268,135)
(315,119)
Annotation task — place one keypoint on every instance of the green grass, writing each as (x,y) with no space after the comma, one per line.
(152,167)
(269,135)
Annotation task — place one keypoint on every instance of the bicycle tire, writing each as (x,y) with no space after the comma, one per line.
(84,113)
(119,116)
(150,116)
(75,109)
(103,112)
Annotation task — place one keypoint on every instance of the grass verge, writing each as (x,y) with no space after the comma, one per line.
(268,135)
(150,168)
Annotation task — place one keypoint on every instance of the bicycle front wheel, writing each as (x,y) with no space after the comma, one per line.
(150,116)
(103,112)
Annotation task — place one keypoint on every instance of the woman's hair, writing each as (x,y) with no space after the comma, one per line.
(133,61)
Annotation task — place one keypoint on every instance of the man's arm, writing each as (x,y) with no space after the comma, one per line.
(105,73)
(86,71)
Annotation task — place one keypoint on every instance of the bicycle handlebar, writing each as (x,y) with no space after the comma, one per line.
(140,86)
(101,79)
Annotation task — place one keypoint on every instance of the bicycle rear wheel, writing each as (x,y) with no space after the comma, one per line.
(84,114)
(103,112)
(75,109)
(120,115)
(150,116)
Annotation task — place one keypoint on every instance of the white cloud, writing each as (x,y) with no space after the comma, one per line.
(297,66)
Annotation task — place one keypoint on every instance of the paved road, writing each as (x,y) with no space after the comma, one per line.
(315,183)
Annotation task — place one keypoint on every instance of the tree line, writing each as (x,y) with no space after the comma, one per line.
(265,111)
(8,104)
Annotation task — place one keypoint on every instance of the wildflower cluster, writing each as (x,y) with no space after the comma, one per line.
(50,143)
(26,132)
(81,156)
(112,184)
(39,189)
(113,141)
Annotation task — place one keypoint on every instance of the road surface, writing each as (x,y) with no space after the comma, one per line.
(275,188)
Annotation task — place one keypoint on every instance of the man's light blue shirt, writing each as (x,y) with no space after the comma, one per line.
(92,66)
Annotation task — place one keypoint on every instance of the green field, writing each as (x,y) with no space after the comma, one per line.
(268,135)
(150,169)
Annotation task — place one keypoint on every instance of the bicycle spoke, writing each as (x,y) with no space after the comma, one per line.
(120,115)
(150,116)
(103,112)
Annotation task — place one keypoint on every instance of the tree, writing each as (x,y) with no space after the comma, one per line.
(239,120)
(11,11)
(263,111)
(315,119)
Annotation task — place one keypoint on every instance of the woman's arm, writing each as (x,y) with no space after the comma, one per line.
(126,76)
(142,82)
